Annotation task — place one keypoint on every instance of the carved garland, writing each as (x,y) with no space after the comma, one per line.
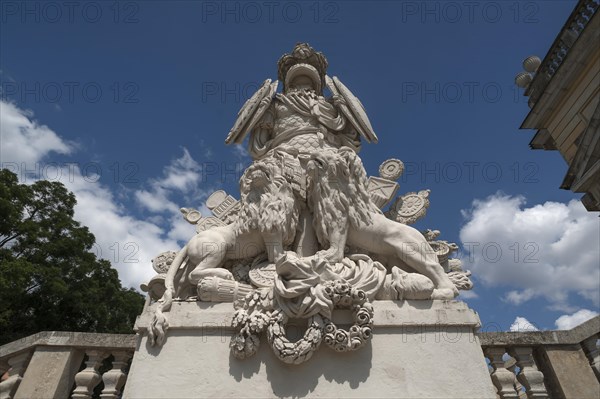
(250,321)
(294,352)
(258,314)
(359,334)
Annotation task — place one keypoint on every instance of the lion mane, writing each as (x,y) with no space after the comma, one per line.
(267,201)
(337,192)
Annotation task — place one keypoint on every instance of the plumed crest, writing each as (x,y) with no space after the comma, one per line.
(302,54)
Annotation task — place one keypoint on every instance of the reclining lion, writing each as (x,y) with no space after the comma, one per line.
(267,223)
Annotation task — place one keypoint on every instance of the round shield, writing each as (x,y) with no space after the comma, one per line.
(262,273)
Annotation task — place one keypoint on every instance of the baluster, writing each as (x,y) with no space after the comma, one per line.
(503,380)
(531,378)
(87,379)
(593,354)
(115,378)
(16,368)
(511,365)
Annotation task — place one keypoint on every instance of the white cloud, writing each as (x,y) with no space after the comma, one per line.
(567,322)
(519,297)
(181,177)
(549,250)
(155,201)
(127,241)
(24,140)
(468,294)
(182,174)
(241,153)
(522,324)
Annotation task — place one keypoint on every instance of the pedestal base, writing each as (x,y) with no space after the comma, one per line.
(419,349)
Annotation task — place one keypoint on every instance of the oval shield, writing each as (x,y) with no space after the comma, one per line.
(354,105)
(252,110)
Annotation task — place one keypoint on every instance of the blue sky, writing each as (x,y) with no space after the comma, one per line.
(129,103)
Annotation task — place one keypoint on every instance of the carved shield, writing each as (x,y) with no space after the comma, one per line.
(352,109)
(410,207)
(251,112)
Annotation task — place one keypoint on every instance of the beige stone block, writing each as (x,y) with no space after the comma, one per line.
(50,373)
(569,372)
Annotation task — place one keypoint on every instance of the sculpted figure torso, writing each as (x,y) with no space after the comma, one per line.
(293,123)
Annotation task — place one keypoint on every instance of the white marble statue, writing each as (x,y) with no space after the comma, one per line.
(307,235)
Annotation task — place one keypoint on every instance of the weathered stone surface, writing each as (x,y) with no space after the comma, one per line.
(529,338)
(69,338)
(568,372)
(408,313)
(50,373)
(414,343)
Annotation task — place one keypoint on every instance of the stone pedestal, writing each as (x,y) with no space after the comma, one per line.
(419,349)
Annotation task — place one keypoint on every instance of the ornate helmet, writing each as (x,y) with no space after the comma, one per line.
(303,60)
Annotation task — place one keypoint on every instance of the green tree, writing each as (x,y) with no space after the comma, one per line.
(49,278)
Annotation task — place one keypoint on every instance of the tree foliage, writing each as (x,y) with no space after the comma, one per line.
(49,278)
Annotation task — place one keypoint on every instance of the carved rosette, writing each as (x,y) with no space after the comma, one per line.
(161,263)
(391,169)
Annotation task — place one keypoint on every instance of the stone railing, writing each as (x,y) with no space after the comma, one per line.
(53,364)
(545,364)
(532,364)
(578,20)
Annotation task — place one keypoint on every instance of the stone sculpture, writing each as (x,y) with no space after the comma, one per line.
(308,235)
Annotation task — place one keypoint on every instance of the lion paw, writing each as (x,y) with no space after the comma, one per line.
(328,256)
(444,293)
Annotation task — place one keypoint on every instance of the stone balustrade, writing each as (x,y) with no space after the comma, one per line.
(545,364)
(54,364)
(579,18)
(531,364)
